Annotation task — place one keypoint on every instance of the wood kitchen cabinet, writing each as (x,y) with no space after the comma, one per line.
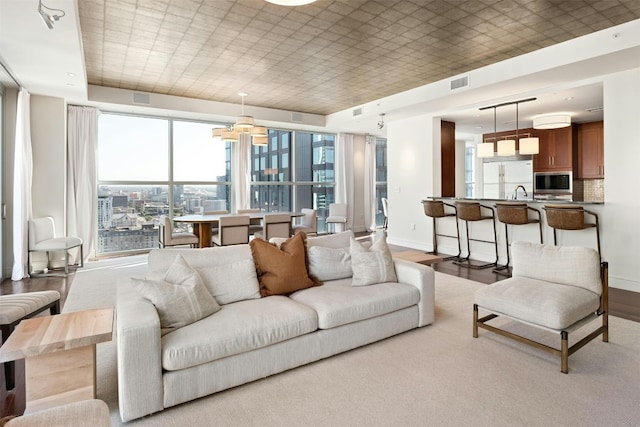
(556,150)
(590,150)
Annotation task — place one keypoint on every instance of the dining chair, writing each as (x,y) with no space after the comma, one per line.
(337,215)
(275,225)
(255,225)
(220,212)
(168,237)
(42,238)
(308,223)
(232,230)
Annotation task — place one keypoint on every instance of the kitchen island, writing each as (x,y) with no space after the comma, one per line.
(483,230)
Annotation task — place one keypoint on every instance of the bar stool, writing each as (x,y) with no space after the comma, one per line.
(514,213)
(570,217)
(472,211)
(435,209)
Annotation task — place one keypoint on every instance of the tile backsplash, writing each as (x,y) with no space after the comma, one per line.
(593,190)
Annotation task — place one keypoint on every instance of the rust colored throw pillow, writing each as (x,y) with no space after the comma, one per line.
(281,271)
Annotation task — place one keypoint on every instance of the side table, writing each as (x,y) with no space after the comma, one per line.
(60,355)
(419,257)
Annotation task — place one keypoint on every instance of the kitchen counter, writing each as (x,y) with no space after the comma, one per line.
(483,230)
(534,200)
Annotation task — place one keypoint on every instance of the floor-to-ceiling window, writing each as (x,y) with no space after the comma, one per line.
(149,166)
(381,178)
(294,171)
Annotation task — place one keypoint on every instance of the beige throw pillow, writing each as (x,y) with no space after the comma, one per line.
(179,295)
(371,265)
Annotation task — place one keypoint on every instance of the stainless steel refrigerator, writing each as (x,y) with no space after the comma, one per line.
(500,179)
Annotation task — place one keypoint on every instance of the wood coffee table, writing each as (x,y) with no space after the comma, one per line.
(60,355)
(419,257)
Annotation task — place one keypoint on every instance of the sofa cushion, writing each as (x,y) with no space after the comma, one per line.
(329,263)
(373,264)
(236,281)
(338,303)
(228,271)
(237,328)
(179,295)
(538,302)
(281,271)
(337,240)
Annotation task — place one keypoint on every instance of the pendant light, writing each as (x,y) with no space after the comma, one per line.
(485,149)
(507,147)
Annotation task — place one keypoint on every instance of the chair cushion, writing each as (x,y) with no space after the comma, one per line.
(237,328)
(338,303)
(568,265)
(17,306)
(550,305)
(57,244)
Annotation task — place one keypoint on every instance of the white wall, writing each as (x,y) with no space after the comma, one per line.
(620,223)
(413,174)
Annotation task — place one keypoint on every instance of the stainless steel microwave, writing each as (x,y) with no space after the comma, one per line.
(553,182)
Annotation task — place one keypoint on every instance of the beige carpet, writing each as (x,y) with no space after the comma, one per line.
(436,375)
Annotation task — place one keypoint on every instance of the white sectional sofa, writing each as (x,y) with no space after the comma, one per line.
(252,337)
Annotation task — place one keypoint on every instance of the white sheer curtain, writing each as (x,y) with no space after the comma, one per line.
(22,178)
(82,175)
(344,174)
(241,171)
(370,201)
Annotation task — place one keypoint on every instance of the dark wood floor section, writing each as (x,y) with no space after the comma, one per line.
(622,303)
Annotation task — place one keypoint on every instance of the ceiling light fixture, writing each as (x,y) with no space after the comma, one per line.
(48,17)
(290,2)
(244,125)
(552,121)
(507,147)
(381,122)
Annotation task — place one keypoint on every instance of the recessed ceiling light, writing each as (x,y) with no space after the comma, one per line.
(569,98)
(71,74)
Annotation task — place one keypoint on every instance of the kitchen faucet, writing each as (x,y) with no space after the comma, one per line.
(515,192)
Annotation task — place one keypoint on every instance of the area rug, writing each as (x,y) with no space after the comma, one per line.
(437,375)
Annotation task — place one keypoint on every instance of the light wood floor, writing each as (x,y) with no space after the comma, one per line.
(622,303)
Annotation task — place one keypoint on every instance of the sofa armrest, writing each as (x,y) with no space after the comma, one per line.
(422,277)
(140,384)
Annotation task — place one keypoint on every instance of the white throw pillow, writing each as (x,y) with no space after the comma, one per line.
(179,295)
(236,281)
(329,263)
(372,265)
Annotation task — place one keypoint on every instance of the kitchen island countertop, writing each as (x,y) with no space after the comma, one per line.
(534,200)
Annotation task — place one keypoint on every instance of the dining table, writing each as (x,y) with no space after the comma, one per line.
(203,224)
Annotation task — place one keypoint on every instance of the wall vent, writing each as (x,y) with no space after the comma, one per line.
(141,98)
(459,82)
(595,109)
(357,112)
(297,117)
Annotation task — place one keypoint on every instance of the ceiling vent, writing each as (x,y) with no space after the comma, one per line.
(357,112)
(297,117)
(460,82)
(141,98)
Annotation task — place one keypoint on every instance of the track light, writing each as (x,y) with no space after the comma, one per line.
(381,122)
(48,15)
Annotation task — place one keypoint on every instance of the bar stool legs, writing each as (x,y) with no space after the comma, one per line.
(514,213)
(472,211)
(435,209)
